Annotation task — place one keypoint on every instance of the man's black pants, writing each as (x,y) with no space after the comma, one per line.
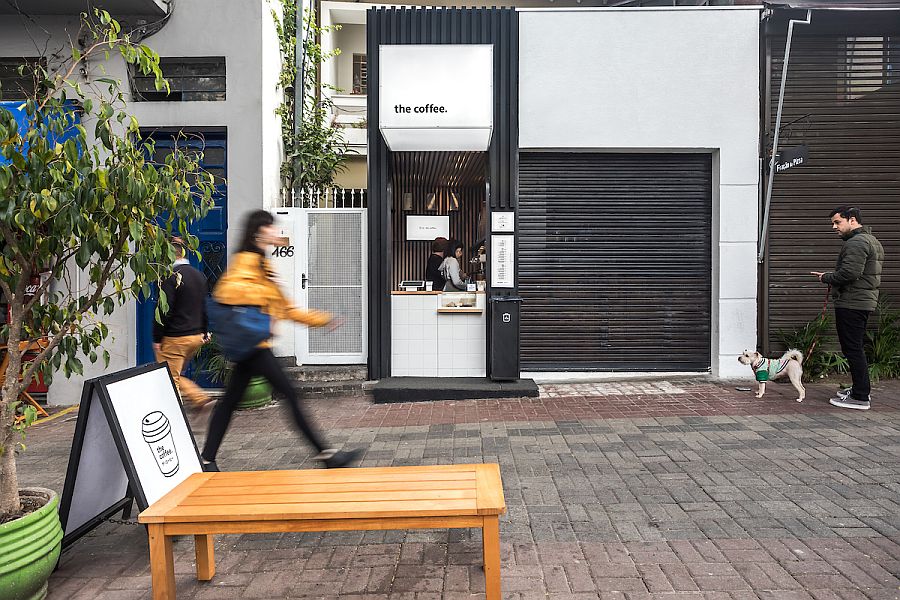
(264,364)
(851,330)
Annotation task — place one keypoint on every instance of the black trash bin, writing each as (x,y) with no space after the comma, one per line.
(505,337)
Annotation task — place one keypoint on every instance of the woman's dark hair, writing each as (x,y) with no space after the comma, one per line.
(452,245)
(255,221)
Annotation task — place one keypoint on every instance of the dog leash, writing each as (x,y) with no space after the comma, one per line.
(821,315)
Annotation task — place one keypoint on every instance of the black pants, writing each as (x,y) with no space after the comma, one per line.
(261,363)
(851,330)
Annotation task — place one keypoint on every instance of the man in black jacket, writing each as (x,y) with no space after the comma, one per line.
(854,282)
(432,268)
(183,328)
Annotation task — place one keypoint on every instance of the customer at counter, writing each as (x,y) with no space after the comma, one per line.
(433,270)
(450,268)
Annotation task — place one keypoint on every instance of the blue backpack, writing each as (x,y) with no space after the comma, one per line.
(238,329)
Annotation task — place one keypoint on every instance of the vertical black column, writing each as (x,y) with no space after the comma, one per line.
(497,26)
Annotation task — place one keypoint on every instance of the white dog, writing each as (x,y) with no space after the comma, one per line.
(772,368)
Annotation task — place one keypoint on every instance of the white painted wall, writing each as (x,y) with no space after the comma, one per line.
(242,32)
(660,79)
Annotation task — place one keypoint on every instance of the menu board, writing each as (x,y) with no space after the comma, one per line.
(503,261)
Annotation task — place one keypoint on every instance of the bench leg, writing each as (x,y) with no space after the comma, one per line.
(490,533)
(162,565)
(206,558)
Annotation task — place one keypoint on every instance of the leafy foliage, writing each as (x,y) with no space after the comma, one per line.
(883,342)
(85,219)
(316,151)
(814,339)
(882,345)
(211,360)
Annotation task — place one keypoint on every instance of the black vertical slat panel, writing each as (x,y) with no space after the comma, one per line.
(845,91)
(615,261)
(434,26)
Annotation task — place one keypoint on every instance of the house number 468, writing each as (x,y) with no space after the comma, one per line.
(283,251)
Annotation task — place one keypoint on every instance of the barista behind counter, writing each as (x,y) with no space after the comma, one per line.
(450,269)
(433,270)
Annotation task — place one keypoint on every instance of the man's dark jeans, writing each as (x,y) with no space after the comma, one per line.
(851,330)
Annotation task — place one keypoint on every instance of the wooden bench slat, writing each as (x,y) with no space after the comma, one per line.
(184,489)
(337,476)
(337,510)
(353,486)
(329,497)
(490,490)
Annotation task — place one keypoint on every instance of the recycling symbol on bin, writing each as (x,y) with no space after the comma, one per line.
(506,317)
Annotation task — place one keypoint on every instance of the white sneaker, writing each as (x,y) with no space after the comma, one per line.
(850,403)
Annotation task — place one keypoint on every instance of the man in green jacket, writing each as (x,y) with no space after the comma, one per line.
(854,283)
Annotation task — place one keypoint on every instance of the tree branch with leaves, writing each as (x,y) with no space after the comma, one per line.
(95,205)
(316,151)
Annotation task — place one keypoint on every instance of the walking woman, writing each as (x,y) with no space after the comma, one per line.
(249,282)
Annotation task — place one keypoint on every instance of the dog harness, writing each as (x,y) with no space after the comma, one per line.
(769,368)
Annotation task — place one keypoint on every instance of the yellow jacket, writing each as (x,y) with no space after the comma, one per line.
(247,282)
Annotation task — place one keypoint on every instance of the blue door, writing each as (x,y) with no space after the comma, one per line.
(211,230)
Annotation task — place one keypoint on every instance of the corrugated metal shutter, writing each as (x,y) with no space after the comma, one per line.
(843,97)
(615,261)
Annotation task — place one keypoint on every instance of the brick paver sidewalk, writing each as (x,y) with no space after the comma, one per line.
(662,490)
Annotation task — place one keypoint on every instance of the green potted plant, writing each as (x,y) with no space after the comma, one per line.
(217,368)
(73,202)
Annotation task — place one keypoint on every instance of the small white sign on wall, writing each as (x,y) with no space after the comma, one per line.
(427,227)
(503,261)
(503,222)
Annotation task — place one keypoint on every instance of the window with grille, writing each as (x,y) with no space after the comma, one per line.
(359,74)
(190,79)
(15,85)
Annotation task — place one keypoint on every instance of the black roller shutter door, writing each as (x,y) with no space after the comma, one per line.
(615,261)
(842,98)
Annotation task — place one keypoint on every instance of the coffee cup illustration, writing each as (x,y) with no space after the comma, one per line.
(158,434)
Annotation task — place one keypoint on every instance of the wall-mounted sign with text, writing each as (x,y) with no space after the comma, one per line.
(427,227)
(435,97)
(790,157)
(503,222)
(503,261)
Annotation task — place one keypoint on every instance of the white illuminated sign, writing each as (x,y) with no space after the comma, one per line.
(427,227)
(436,96)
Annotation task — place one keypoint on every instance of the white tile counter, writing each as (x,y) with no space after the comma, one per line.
(428,343)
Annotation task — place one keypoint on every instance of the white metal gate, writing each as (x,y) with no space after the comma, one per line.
(330,275)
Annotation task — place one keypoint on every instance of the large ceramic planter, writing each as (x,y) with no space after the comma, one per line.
(258,393)
(29,549)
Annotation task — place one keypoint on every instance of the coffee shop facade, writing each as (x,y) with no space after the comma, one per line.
(600,167)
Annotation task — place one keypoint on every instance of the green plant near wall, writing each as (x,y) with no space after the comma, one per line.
(883,342)
(315,152)
(882,345)
(814,340)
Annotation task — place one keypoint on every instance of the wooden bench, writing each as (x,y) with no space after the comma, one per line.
(430,497)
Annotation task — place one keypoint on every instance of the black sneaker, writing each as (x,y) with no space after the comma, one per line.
(209,466)
(334,459)
(849,402)
(844,393)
